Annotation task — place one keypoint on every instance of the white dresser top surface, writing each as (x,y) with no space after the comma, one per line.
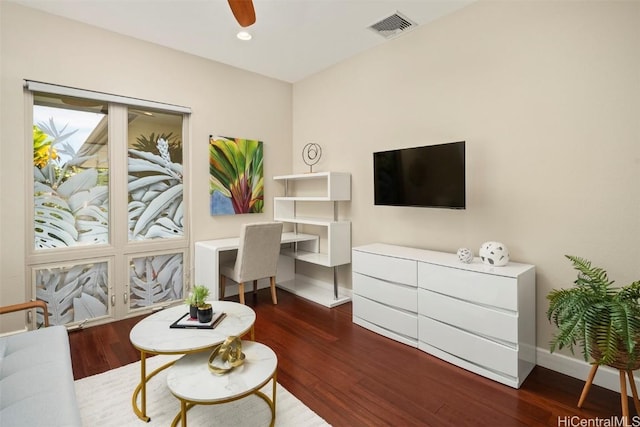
(446,259)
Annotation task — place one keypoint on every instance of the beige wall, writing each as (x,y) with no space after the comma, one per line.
(547,96)
(224,101)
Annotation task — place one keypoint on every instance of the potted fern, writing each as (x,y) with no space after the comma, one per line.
(602,319)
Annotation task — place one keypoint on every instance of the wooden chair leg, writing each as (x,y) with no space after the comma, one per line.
(241,292)
(623,397)
(222,286)
(634,391)
(274,297)
(255,286)
(587,385)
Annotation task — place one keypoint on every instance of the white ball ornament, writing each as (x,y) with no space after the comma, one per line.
(465,255)
(494,253)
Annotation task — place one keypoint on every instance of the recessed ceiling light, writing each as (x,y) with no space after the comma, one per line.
(243,35)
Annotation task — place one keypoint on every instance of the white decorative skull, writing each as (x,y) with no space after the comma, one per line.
(465,255)
(494,253)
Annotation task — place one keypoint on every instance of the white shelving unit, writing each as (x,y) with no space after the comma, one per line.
(317,188)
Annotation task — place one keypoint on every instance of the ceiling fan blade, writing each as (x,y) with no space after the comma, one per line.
(243,11)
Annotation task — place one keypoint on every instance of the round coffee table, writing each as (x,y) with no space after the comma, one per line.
(152,335)
(190,380)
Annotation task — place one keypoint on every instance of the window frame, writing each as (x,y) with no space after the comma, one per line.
(119,250)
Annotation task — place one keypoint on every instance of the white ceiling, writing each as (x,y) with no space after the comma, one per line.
(292,39)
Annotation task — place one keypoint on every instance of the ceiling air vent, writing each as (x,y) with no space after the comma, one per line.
(393,25)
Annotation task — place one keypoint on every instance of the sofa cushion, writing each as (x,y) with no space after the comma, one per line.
(36,379)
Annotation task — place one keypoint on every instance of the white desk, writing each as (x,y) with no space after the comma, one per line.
(207,259)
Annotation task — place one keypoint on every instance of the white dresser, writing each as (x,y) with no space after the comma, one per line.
(478,317)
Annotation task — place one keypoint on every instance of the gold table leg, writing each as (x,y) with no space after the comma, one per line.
(141,388)
(273,400)
(181,417)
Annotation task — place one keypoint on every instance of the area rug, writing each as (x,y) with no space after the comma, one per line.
(105,400)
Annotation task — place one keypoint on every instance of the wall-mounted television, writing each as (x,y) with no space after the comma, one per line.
(429,176)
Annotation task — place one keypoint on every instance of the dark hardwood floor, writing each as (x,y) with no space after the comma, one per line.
(353,377)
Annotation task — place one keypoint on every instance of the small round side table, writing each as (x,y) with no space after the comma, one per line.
(191,382)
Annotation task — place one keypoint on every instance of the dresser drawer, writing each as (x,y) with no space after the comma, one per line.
(386,317)
(467,346)
(387,268)
(488,289)
(388,293)
(479,319)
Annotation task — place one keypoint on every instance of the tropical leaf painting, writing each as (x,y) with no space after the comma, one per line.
(155,279)
(236,183)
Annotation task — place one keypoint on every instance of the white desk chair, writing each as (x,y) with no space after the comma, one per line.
(257,257)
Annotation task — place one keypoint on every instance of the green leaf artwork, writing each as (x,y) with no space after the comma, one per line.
(236,182)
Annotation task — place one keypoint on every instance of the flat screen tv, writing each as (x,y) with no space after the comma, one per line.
(429,176)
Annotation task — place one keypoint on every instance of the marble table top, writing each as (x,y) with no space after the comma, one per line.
(190,379)
(153,334)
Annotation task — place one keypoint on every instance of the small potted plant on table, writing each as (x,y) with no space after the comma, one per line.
(197,298)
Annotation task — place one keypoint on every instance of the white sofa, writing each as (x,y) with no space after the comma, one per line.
(36,376)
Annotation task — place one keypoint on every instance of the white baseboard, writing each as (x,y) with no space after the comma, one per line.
(606,377)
